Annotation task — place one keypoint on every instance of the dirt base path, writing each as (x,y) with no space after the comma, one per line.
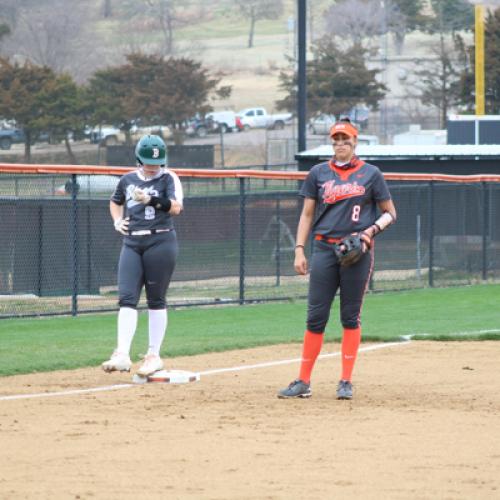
(424,424)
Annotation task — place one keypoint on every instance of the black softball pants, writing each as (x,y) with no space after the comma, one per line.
(147,261)
(326,276)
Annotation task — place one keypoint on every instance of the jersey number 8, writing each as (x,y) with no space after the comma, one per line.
(356,209)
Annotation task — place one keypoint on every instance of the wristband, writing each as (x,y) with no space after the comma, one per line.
(299,246)
(384,221)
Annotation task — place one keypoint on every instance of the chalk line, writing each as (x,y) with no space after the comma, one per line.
(203,373)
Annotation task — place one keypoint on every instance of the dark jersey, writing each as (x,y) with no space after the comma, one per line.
(165,184)
(346,200)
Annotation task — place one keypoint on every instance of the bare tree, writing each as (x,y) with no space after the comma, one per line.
(362,21)
(256,10)
(171,15)
(52,35)
(107,10)
(437,79)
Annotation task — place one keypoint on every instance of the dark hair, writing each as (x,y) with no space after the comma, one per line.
(345,119)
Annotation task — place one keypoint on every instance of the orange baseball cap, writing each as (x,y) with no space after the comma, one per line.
(346,128)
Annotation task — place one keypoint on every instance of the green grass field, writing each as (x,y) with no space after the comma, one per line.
(37,345)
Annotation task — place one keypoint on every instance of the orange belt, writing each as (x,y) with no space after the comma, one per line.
(320,237)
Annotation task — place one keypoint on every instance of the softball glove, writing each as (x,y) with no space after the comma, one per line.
(351,248)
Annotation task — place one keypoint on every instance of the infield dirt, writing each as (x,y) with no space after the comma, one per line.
(424,424)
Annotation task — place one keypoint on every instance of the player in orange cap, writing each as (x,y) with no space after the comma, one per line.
(342,196)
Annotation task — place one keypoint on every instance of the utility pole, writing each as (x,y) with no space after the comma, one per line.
(301,80)
(479,53)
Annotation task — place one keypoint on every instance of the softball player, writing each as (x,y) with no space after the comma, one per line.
(142,207)
(341,197)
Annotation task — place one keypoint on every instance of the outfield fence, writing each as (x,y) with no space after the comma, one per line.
(59,251)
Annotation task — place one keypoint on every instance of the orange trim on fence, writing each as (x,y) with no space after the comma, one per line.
(19,168)
(442,177)
(26,168)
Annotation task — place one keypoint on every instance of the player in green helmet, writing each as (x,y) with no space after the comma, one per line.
(142,208)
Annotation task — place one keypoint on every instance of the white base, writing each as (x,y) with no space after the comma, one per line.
(168,377)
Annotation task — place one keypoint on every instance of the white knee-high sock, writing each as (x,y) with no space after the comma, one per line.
(158,320)
(127,324)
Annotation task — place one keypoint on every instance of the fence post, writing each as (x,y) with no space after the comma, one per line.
(221,132)
(431,233)
(419,236)
(74,245)
(39,282)
(486,220)
(242,238)
(278,238)
(89,248)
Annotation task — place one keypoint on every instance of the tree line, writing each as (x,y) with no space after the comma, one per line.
(147,88)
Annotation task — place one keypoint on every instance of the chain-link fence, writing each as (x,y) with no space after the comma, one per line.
(59,251)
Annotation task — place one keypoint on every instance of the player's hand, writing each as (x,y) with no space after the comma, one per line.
(176,208)
(366,241)
(300,262)
(121,225)
(140,195)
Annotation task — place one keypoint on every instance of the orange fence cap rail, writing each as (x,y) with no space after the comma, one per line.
(26,168)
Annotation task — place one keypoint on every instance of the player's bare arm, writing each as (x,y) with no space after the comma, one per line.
(116,211)
(387,206)
(388,217)
(303,230)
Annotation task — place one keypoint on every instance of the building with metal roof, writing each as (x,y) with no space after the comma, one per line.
(454,159)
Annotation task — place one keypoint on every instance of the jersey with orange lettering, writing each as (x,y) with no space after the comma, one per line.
(346,196)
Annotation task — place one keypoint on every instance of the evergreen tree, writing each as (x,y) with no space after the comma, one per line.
(451,16)
(492,62)
(336,81)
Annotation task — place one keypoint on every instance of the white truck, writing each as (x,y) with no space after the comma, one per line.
(223,120)
(259,118)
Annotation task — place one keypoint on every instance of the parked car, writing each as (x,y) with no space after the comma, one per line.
(359,116)
(321,123)
(89,186)
(198,126)
(106,135)
(213,122)
(9,136)
(260,118)
(137,131)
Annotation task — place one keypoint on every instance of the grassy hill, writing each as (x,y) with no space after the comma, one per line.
(219,39)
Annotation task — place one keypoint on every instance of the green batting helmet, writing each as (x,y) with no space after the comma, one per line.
(151,150)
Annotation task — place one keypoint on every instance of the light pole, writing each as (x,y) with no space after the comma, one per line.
(479,55)
(302,82)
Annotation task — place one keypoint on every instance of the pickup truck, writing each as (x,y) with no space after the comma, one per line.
(9,136)
(259,118)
